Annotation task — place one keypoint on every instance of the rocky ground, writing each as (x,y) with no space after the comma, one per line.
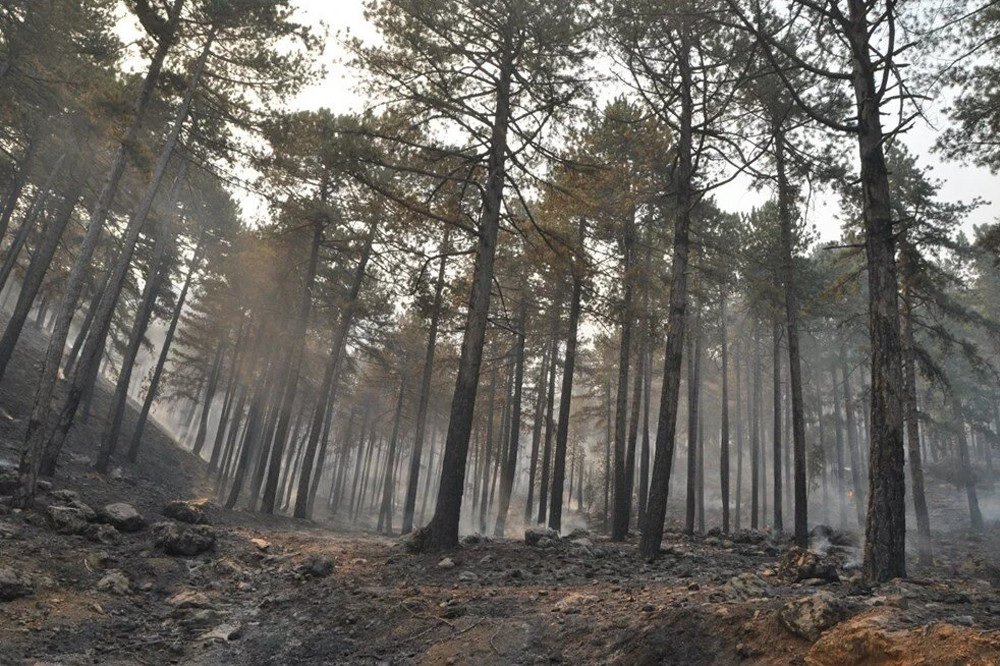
(140,568)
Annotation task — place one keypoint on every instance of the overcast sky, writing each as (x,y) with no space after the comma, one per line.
(960,183)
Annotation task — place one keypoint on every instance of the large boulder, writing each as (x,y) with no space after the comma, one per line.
(184,512)
(810,616)
(14,585)
(123,517)
(800,564)
(183,540)
(67,519)
(533,536)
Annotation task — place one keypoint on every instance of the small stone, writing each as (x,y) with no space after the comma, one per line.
(468,576)
(189,599)
(583,541)
(534,535)
(14,585)
(446,563)
(43,485)
(184,512)
(124,517)
(224,633)
(694,587)
(262,544)
(115,582)
(964,620)
(545,542)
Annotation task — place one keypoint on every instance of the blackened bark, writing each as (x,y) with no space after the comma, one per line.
(724,435)
(693,386)
(514,436)
(776,422)
(425,391)
(443,527)
(656,509)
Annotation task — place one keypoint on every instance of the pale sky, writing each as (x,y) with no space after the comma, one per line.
(960,183)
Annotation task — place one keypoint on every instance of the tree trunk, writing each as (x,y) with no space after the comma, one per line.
(31,458)
(852,446)
(755,454)
(924,551)
(156,273)
(102,319)
(656,509)
(693,386)
(623,493)
(154,384)
(389,487)
(543,484)
(425,391)
(328,388)
(35,274)
(885,528)
(776,423)
(566,394)
(968,476)
(442,531)
(293,363)
(724,434)
(510,464)
(536,434)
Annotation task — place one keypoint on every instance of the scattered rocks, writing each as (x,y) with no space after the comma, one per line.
(750,536)
(810,616)
(800,564)
(579,533)
(185,512)
(446,563)
(317,566)
(14,585)
(115,582)
(183,540)
(534,535)
(468,576)
(546,542)
(123,517)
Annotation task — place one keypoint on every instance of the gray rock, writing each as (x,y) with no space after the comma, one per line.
(185,512)
(67,519)
(14,585)
(115,582)
(100,533)
(446,563)
(9,483)
(468,576)
(800,564)
(183,540)
(189,599)
(810,616)
(533,535)
(124,517)
(747,586)
(71,499)
(318,566)
(545,542)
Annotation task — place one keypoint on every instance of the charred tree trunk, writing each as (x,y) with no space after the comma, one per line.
(389,487)
(510,463)
(724,434)
(566,394)
(776,422)
(693,385)
(326,397)
(425,392)
(35,437)
(293,363)
(442,531)
(656,509)
(161,361)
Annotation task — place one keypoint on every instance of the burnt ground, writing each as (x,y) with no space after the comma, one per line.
(266,594)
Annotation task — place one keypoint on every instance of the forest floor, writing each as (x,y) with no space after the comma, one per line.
(278,591)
